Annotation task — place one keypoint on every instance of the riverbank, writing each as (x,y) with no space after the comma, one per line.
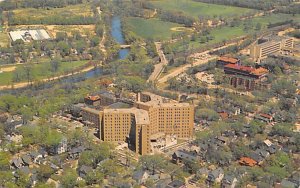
(26,84)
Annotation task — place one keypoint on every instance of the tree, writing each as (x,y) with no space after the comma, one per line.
(4,160)
(207,114)
(94,177)
(95,41)
(44,172)
(153,162)
(5,177)
(258,26)
(55,64)
(69,178)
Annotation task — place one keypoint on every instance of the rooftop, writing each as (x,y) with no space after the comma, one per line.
(93,97)
(250,70)
(229,59)
(91,110)
(141,116)
(156,100)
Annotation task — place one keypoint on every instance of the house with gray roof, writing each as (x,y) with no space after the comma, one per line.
(215,176)
(140,176)
(229,181)
(181,155)
(17,163)
(26,160)
(176,184)
(84,170)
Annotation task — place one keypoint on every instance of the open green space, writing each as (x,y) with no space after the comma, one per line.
(38,71)
(68,11)
(195,9)
(154,28)
(4,39)
(226,32)
(274,18)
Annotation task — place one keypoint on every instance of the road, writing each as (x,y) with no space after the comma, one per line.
(102,42)
(184,68)
(158,68)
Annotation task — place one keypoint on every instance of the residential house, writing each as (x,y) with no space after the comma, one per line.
(181,155)
(84,170)
(61,147)
(176,184)
(215,176)
(140,176)
(162,183)
(203,172)
(33,180)
(288,184)
(264,117)
(263,153)
(257,157)
(75,152)
(229,181)
(223,115)
(247,161)
(43,152)
(26,160)
(222,140)
(17,163)
(35,156)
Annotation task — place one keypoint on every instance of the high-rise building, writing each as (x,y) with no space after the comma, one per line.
(151,115)
(271,46)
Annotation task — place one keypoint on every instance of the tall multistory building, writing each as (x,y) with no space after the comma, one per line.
(140,125)
(270,46)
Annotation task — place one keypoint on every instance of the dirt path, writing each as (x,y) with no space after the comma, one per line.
(158,68)
(184,68)
(101,45)
(7,69)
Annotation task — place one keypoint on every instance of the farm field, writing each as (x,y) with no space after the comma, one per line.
(195,9)
(39,71)
(68,11)
(154,28)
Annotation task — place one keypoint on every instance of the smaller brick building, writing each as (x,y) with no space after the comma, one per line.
(246,77)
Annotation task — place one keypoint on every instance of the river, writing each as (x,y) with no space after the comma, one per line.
(116,33)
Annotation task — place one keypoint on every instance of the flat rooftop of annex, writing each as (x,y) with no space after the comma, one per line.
(141,116)
(156,100)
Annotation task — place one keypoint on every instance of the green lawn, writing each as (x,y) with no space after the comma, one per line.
(196,9)
(153,28)
(226,32)
(68,11)
(40,71)
(274,18)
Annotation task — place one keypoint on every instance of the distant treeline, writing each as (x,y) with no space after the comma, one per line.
(291,9)
(13,4)
(177,17)
(271,25)
(254,4)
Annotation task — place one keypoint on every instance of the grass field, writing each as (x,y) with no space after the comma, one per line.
(40,71)
(69,11)
(196,9)
(154,28)
(4,39)
(225,33)
(274,18)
